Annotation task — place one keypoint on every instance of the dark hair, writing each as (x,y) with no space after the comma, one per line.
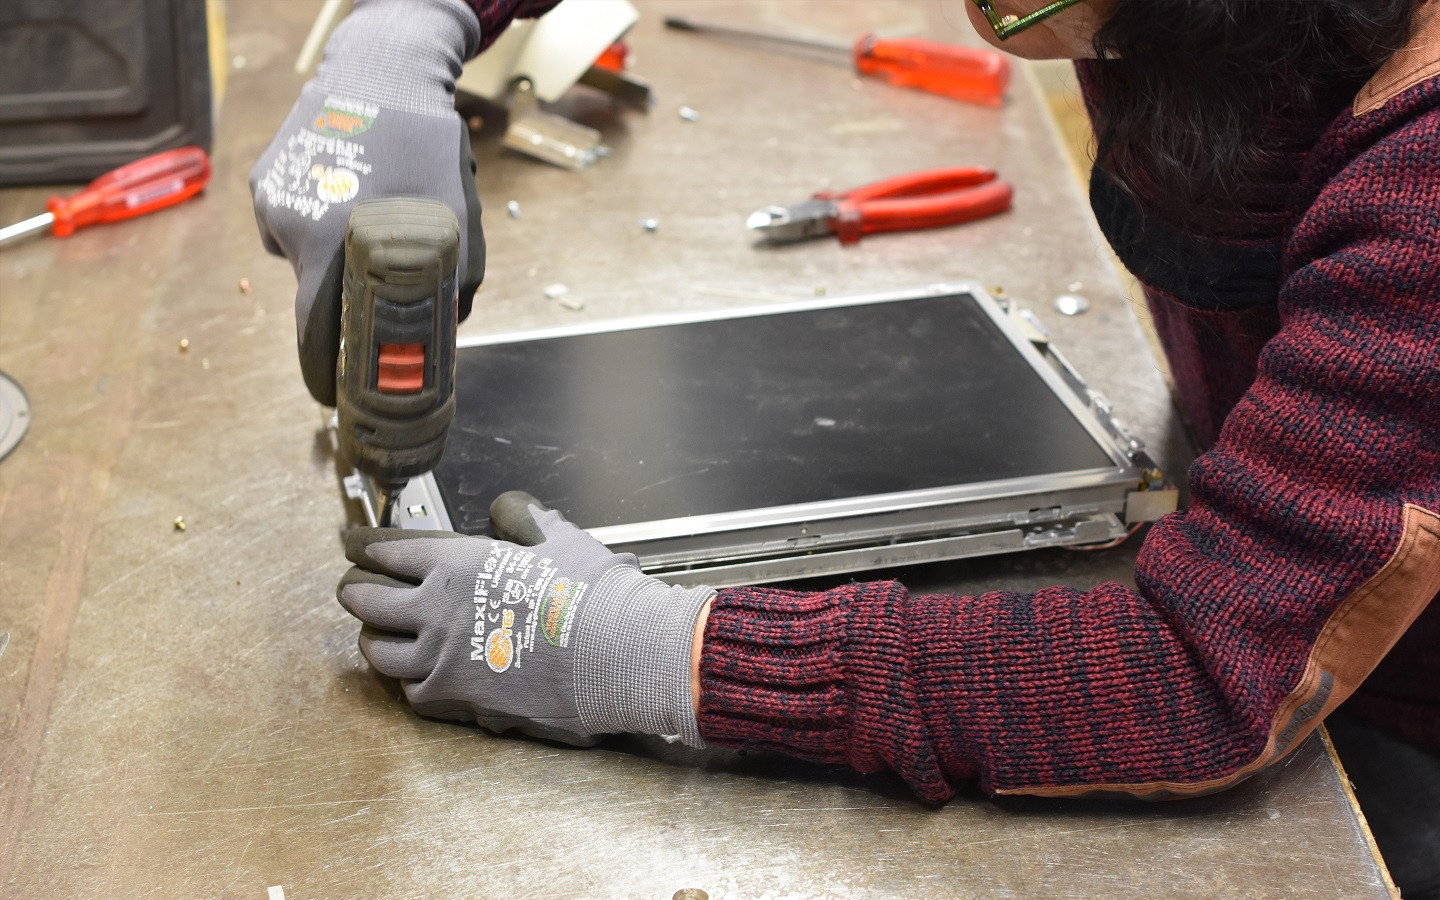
(1188,88)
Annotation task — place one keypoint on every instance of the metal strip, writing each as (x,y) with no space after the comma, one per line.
(860,559)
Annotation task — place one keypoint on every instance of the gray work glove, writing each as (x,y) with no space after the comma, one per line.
(553,634)
(378,120)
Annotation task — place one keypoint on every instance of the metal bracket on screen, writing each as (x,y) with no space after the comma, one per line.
(1152,498)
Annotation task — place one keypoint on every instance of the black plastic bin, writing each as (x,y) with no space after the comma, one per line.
(88,85)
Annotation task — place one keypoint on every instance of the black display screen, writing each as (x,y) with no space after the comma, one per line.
(751,412)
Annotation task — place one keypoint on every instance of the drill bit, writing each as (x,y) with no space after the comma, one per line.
(389,494)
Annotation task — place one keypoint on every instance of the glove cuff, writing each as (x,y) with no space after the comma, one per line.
(400,54)
(632,657)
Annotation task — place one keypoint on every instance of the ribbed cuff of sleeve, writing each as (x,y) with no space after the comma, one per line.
(632,657)
(824,677)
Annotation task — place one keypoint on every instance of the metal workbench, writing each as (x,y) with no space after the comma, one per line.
(185,713)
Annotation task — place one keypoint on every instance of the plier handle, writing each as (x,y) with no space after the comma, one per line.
(903,203)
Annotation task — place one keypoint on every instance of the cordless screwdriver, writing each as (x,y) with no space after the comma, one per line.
(395,375)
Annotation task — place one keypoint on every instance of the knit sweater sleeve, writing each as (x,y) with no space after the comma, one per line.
(496,15)
(1311,543)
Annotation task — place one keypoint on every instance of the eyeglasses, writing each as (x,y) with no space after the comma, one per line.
(1007,26)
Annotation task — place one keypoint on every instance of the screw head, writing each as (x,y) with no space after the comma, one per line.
(1071,304)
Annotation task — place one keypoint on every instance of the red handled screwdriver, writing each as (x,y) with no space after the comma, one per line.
(961,73)
(134,189)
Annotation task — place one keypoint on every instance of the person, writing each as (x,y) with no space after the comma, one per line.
(1270,171)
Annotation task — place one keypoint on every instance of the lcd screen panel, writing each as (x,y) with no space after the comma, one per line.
(752,412)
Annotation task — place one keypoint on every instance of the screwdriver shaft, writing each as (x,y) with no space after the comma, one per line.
(34,223)
(683,24)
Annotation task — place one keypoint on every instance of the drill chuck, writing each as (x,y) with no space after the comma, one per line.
(395,376)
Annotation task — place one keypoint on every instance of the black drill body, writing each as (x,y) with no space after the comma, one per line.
(395,376)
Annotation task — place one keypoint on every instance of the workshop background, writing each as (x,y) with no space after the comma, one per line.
(183,709)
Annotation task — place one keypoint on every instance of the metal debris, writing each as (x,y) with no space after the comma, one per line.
(574,304)
(555,291)
(184,344)
(689,114)
(1071,304)
(244,285)
(650,224)
(513,208)
(179,523)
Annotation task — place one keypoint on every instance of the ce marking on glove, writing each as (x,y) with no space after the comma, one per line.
(498,650)
(508,578)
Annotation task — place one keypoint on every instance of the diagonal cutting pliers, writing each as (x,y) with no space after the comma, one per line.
(903,203)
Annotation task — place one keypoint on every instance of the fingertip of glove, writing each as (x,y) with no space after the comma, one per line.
(351,592)
(515,517)
(357,576)
(391,551)
(465,300)
(359,539)
(346,603)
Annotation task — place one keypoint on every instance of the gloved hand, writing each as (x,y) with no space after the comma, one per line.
(377,120)
(553,634)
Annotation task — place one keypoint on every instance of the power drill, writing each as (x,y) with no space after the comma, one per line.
(395,376)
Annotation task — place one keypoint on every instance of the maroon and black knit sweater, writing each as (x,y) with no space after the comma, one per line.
(1311,545)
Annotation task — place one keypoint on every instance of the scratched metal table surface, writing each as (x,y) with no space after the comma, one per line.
(186,713)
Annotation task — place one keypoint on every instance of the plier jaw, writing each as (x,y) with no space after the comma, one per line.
(904,203)
(797,222)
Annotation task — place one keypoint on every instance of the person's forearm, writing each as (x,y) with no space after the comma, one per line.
(1312,541)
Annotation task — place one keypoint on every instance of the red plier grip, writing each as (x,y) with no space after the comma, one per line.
(918,200)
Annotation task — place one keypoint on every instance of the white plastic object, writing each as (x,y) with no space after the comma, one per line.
(552,51)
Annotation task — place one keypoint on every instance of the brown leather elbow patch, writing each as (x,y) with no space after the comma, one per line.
(1408,66)
(1354,640)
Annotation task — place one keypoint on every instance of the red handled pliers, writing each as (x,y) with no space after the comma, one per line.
(902,203)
